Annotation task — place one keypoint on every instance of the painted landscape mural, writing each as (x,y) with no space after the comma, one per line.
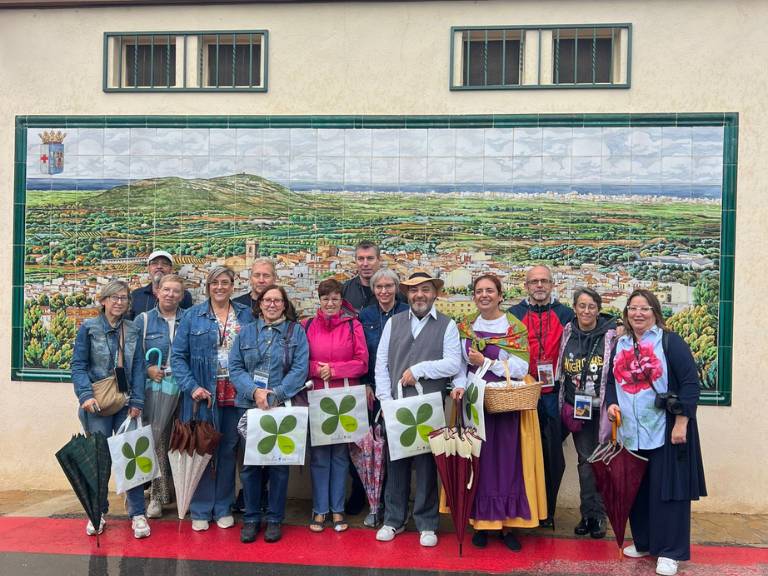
(612,208)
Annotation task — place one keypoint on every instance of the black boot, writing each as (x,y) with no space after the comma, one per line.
(248,532)
(480,538)
(596,527)
(511,541)
(582,528)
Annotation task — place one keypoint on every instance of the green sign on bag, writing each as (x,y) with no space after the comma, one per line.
(135,458)
(338,414)
(277,434)
(471,409)
(416,424)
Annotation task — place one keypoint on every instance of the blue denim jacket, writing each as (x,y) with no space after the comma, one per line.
(373,320)
(194,356)
(94,357)
(261,347)
(157,336)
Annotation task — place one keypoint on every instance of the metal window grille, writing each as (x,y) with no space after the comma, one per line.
(583,55)
(492,57)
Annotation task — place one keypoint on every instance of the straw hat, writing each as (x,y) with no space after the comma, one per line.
(419,277)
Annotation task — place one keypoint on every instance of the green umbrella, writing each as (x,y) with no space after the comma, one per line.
(87,464)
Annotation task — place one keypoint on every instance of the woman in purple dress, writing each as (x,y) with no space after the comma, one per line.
(511,492)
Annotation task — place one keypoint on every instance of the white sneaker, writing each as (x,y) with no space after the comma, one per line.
(428,538)
(632,552)
(387,533)
(155,509)
(140,527)
(199,525)
(225,522)
(91,531)
(666,566)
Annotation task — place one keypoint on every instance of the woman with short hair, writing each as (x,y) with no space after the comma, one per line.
(200,363)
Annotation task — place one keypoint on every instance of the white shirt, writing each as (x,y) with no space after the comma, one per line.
(446,367)
(518,367)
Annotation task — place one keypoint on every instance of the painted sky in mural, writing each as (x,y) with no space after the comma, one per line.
(614,208)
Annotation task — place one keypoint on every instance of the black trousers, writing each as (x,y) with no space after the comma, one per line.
(661,528)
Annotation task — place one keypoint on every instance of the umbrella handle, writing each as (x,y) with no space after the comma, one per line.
(615,426)
(159,356)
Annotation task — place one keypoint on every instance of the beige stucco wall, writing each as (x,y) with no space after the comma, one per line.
(389,58)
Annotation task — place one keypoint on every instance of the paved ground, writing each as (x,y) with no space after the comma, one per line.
(42,534)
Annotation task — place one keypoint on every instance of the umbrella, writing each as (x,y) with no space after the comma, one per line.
(161,399)
(86,463)
(457,456)
(368,457)
(552,452)
(191,448)
(618,474)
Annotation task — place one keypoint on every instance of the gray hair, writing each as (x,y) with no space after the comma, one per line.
(113,287)
(215,273)
(265,262)
(385,274)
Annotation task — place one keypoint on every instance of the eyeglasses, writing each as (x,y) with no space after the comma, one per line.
(115,298)
(542,281)
(643,309)
(383,287)
(272,301)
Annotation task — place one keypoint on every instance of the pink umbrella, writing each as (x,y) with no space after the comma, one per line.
(368,457)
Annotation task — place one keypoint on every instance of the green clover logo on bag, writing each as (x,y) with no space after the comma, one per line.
(471,395)
(416,424)
(277,434)
(135,458)
(338,414)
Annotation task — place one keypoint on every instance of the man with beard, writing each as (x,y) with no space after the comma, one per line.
(421,346)
(143,299)
(545,318)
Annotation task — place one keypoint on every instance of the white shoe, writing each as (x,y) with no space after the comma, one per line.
(155,509)
(199,525)
(428,538)
(91,531)
(666,566)
(140,527)
(632,552)
(387,533)
(225,522)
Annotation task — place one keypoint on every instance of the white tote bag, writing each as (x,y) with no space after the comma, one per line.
(408,422)
(338,415)
(474,415)
(276,437)
(133,455)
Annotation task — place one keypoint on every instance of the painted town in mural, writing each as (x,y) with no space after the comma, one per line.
(613,208)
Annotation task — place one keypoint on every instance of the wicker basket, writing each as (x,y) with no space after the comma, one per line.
(512,397)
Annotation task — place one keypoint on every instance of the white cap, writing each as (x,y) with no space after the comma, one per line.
(160,254)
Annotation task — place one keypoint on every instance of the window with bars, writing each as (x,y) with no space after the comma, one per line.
(186,61)
(520,57)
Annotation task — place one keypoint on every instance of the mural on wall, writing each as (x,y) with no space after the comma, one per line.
(610,207)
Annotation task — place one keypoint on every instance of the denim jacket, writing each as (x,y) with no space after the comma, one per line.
(373,320)
(261,347)
(194,356)
(157,336)
(94,357)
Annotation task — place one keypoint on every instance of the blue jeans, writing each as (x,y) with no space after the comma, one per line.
(108,425)
(329,466)
(253,478)
(216,491)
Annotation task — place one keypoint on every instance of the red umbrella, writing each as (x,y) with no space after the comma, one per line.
(457,456)
(618,474)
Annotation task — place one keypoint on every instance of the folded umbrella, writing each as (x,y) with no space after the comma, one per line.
(161,399)
(456,450)
(368,457)
(86,463)
(618,474)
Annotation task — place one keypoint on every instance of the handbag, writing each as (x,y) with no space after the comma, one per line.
(409,421)
(106,392)
(133,455)
(338,415)
(474,395)
(275,437)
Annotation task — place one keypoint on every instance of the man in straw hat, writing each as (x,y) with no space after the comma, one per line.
(420,346)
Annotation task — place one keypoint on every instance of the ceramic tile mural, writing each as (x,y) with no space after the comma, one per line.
(611,207)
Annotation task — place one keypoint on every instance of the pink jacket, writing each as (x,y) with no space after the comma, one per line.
(332,340)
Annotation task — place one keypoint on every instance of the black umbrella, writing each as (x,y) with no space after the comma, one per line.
(554,461)
(87,464)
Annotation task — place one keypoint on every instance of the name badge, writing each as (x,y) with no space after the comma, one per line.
(546,375)
(582,407)
(261,378)
(223,371)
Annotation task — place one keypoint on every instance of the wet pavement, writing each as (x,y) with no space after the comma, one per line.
(42,533)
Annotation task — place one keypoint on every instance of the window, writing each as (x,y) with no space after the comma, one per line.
(520,57)
(185,61)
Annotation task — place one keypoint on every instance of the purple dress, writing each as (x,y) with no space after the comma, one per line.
(501,489)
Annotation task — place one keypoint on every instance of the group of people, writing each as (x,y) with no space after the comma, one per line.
(232,354)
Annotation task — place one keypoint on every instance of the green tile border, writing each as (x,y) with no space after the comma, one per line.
(729,121)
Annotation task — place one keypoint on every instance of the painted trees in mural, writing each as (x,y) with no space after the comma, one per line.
(614,208)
